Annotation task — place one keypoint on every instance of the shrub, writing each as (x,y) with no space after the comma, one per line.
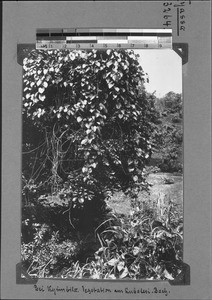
(139,247)
(146,244)
(45,255)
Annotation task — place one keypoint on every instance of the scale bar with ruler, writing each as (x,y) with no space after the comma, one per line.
(103,38)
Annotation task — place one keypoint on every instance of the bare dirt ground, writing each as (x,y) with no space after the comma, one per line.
(163,185)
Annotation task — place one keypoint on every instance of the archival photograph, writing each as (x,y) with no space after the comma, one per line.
(102,164)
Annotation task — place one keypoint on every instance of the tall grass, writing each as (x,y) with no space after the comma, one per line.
(145,244)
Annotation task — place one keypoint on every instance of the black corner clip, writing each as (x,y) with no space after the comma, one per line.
(183,278)
(182,50)
(22,277)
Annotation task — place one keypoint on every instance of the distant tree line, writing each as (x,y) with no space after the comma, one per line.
(167,139)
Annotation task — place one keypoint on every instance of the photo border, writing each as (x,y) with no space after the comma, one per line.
(184,277)
(20,20)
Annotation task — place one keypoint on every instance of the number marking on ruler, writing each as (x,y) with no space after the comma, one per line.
(103,39)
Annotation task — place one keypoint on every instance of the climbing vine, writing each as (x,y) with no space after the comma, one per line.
(87,123)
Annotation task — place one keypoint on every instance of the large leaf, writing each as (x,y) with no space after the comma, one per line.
(168,275)
(112,262)
(124,273)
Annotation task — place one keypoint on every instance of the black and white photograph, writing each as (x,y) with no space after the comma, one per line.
(102,164)
(106,150)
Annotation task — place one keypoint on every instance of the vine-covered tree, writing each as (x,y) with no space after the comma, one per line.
(86,125)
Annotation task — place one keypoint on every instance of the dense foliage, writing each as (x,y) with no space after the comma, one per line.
(168,133)
(137,246)
(87,124)
(89,130)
